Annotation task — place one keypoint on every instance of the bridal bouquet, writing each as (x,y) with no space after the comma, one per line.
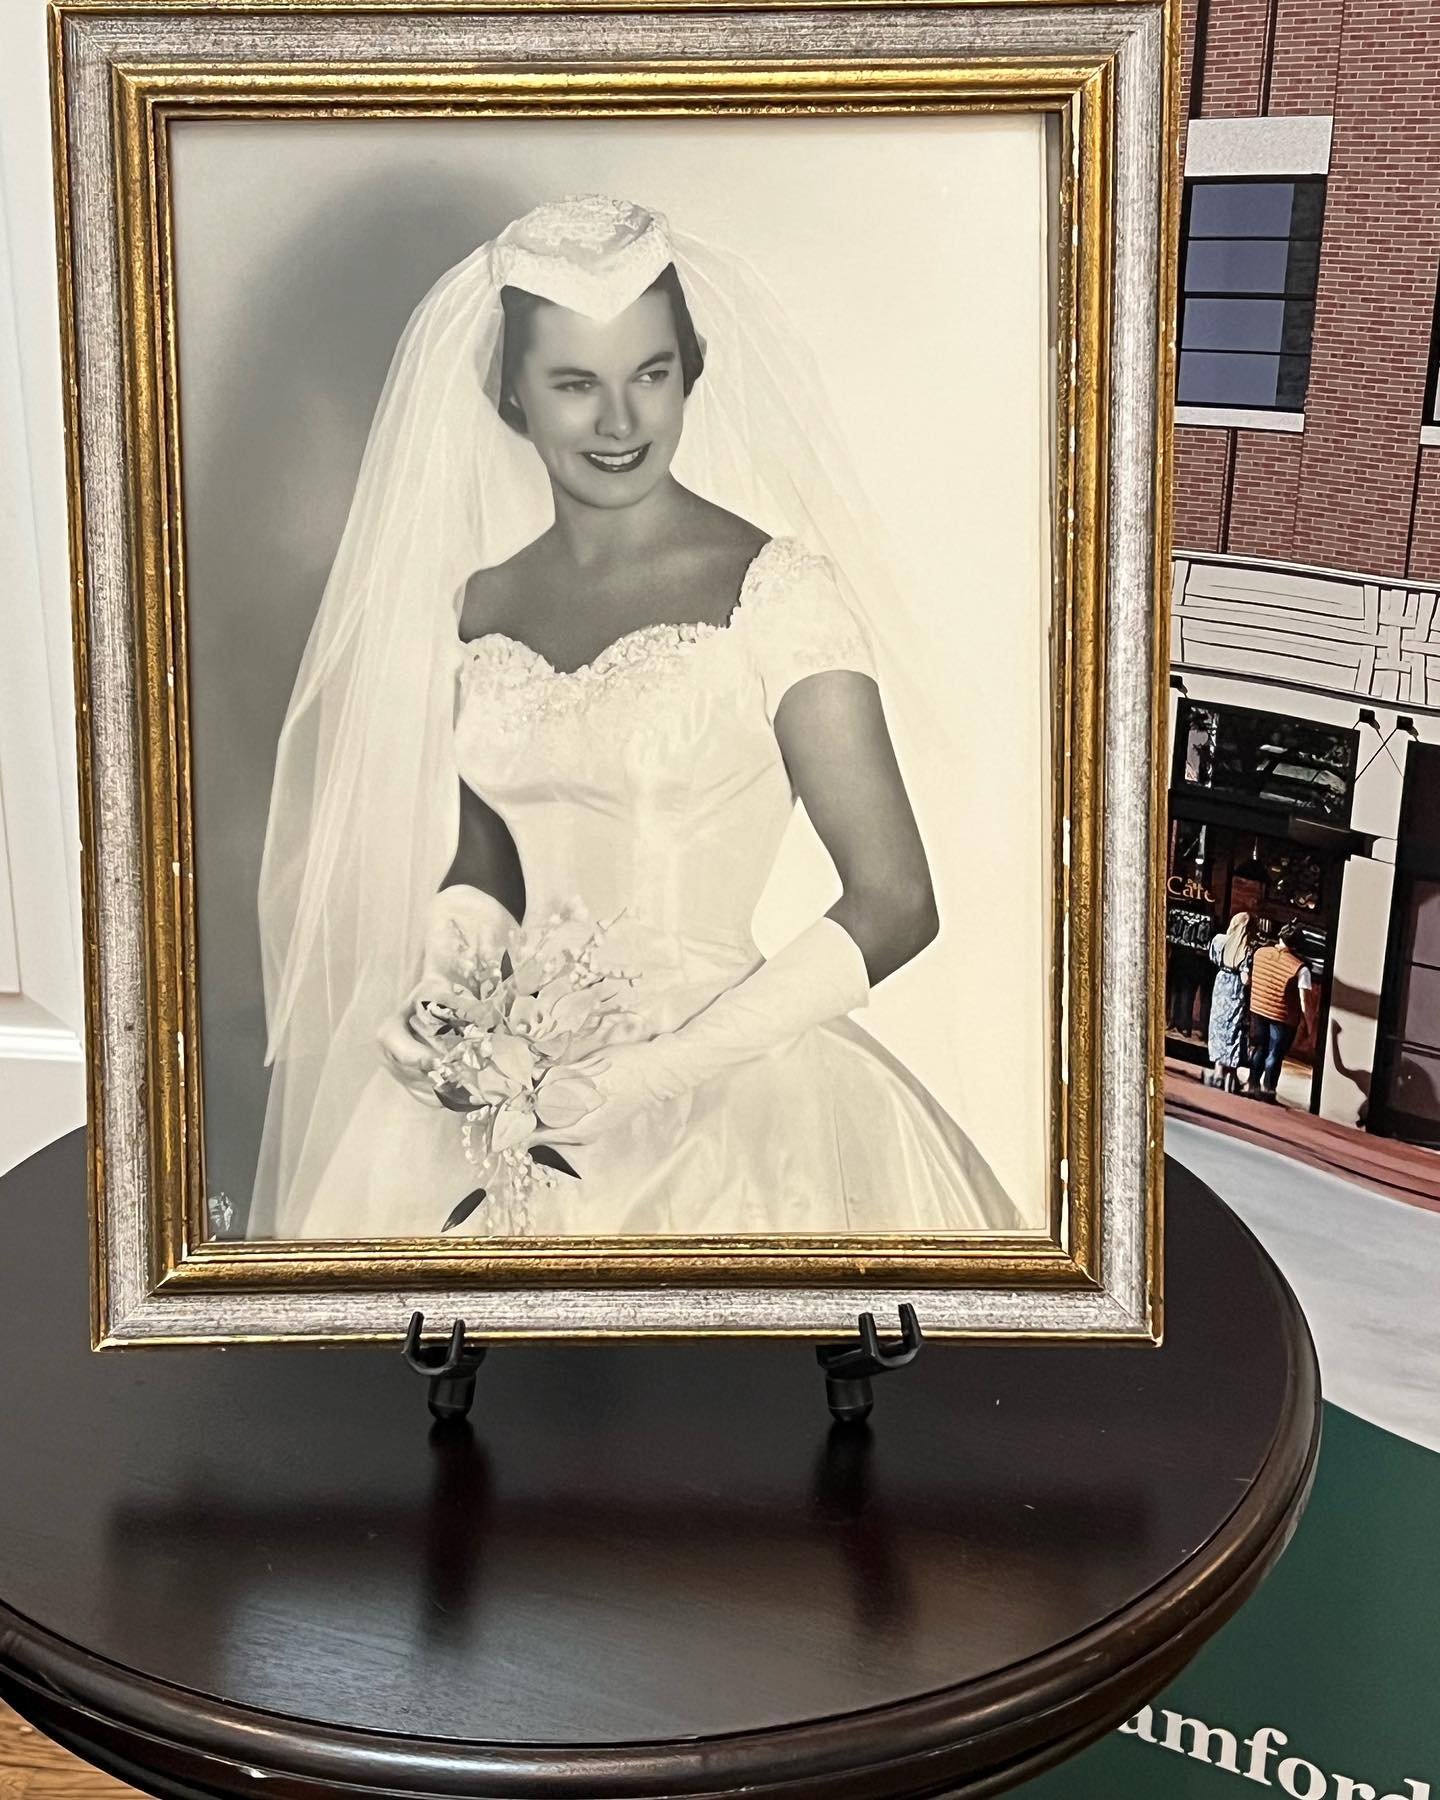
(510,1038)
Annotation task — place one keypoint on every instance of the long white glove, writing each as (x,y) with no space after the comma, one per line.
(461,923)
(820,976)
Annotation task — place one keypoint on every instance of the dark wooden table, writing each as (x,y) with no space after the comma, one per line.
(652,1570)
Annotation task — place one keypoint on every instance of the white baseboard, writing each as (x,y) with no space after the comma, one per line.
(42,1082)
(39,1043)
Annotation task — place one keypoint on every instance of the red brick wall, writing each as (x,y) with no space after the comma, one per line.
(1235,40)
(1200,472)
(1305,58)
(1187,66)
(1425,541)
(1345,495)
(1379,259)
(1236,491)
(1265,486)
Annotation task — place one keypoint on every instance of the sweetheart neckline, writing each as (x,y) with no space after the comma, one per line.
(682,631)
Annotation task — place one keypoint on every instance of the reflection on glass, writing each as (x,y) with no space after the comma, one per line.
(1213,378)
(1294,764)
(1236,266)
(1234,324)
(1242,209)
(1250,271)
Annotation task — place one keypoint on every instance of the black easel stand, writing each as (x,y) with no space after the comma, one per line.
(451,1367)
(850,1368)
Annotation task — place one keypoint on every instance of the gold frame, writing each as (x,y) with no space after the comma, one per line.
(146,98)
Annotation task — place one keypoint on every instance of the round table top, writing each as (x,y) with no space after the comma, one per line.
(651,1569)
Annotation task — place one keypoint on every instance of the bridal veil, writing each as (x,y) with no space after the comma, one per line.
(364,810)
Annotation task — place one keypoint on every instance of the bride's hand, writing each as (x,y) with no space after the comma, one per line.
(407,1059)
(630,1080)
(410,1059)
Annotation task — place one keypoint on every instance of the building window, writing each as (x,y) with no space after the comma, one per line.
(1262,760)
(1432,390)
(1247,308)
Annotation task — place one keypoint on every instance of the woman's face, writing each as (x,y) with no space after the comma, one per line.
(603,404)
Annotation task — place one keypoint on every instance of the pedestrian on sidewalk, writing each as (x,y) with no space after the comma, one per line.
(1281,993)
(1231,952)
(1185,971)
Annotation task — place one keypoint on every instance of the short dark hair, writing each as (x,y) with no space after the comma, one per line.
(1291,935)
(520,306)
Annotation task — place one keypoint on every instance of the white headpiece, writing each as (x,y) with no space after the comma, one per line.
(589,253)
(364,811)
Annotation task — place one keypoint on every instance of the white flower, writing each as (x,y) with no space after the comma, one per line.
(512,1046)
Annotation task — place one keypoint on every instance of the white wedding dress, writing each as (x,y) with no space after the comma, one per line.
(649,784)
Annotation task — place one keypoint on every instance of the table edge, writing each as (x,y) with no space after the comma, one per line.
(44,1674)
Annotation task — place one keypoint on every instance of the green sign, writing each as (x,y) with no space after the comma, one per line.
(1326,1684)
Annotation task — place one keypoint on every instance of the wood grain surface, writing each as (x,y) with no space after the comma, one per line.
(32,1768)
(649,1570)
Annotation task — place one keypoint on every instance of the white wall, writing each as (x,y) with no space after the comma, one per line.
(41,1008)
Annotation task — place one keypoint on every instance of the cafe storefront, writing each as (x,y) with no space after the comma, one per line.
(1305,786)
(1260,810)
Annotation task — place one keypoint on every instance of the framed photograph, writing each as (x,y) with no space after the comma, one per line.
(620,566)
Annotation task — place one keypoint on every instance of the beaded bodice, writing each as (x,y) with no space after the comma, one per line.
(649,782)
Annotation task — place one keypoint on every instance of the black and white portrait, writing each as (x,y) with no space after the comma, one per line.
(620,634)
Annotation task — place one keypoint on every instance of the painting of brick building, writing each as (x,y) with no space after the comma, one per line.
(1305,686)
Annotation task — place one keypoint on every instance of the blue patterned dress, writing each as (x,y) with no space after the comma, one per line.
(1227,1007)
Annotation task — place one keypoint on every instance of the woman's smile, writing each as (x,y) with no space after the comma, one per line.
(616,462)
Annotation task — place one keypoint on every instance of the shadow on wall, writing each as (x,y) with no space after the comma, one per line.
(1413,1090)
(1362,1006)
(1360,1076)
(277,420)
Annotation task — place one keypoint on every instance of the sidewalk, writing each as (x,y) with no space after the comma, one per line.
(1364,1268)
(1401,1171)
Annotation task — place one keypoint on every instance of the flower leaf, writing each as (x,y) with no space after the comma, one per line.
(459,1214)
(552,1159)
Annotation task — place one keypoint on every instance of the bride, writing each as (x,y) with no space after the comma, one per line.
(551,669)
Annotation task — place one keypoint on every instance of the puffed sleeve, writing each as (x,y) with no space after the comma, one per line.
(801,624)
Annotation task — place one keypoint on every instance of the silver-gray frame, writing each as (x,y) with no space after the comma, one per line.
(1134,36)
